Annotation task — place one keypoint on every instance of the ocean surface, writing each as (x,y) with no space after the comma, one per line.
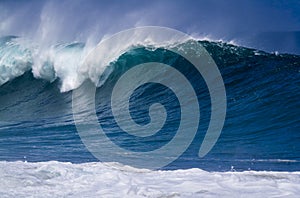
(257,152)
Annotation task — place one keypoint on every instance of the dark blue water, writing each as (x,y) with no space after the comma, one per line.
(261,130)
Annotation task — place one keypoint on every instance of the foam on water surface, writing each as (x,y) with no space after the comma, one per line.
(59,179)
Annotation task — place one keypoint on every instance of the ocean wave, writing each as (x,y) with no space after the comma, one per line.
(262,91)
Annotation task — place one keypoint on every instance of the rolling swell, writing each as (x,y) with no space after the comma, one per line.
(261,129)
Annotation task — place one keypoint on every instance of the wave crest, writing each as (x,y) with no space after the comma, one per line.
(65,61)
(15,59)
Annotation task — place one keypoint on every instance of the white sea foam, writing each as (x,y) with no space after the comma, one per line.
(210,38)
(58,179)
(66,63)
(15,60)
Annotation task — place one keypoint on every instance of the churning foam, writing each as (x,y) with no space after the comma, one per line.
(58,179)
(65,61)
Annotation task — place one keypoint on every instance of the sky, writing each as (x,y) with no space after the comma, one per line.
(265,24)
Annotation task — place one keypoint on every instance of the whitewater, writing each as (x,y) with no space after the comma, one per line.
(65,61)
(58,179)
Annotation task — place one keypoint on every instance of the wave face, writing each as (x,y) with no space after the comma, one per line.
(261,131)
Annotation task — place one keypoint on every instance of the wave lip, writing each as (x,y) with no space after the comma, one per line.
(15,60)
(64,61)
(58,179)
(18,56)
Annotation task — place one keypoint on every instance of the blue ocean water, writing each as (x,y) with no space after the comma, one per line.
(261,130)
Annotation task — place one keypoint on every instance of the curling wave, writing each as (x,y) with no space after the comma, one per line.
(262,88)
